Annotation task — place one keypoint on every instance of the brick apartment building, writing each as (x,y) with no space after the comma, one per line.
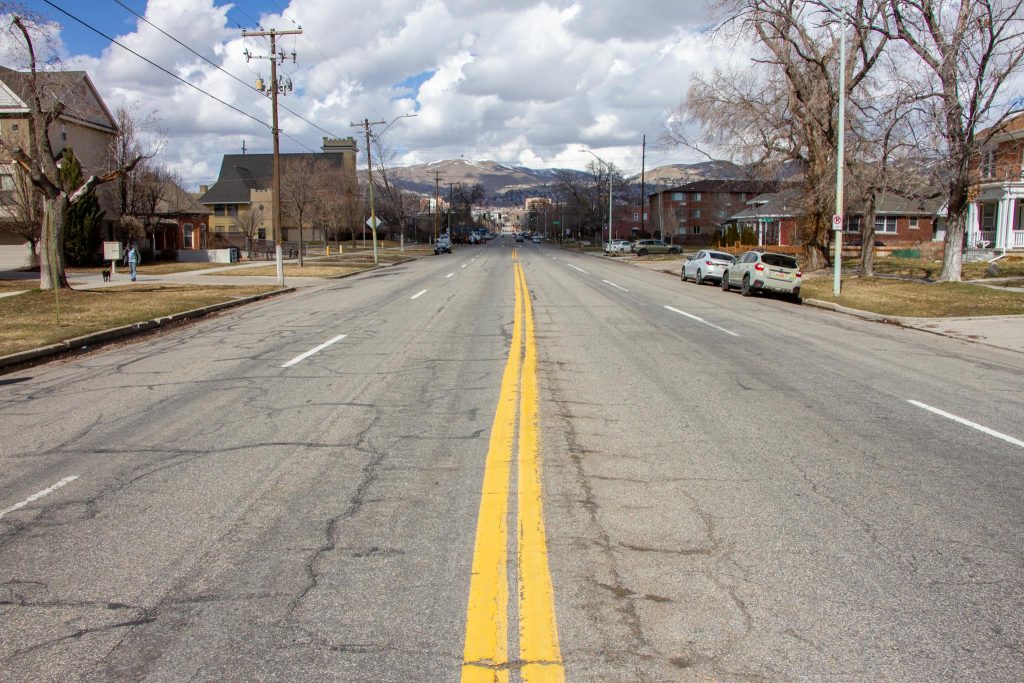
(692,213)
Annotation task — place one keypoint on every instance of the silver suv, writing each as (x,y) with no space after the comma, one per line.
(766,272)
(443,244)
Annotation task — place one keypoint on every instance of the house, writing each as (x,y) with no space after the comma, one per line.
(994,214)
(775,216)
(182,222)
(86,125)
(693,212)
(244,186)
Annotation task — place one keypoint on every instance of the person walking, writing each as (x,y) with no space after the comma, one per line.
(132,260)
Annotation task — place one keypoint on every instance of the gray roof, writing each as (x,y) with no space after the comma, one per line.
(73,88)
(787,203)
(241,173)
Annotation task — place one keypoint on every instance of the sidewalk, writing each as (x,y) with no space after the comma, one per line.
(1000,331)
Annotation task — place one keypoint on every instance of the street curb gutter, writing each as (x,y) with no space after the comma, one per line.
(113,333)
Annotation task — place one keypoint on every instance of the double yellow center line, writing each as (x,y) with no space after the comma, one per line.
(486,653)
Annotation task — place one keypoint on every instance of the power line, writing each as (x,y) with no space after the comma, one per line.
(152,63)
(219,68)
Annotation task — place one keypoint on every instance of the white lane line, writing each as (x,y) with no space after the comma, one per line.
(579,269)
(968,423)
(303,356)
(417,295)
(614,285)
(701,320)
(36,496)
(449,275)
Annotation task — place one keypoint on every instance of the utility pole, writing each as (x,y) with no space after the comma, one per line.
(643,186)
(365,125)
(275,88)
(437,201)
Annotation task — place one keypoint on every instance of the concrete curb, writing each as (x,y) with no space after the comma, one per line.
(113,333)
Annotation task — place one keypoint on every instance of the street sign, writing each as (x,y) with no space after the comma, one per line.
(764,219)
(837,222)
(372,225)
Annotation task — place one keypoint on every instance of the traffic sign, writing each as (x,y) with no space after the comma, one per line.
(837,222)
(374,225)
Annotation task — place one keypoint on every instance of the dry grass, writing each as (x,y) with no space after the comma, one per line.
(313,269)
(154,268)
(925,268)
(916,299)
(30,319)
(18,285)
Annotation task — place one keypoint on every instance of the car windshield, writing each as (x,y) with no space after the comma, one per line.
(720,256)
(779,260)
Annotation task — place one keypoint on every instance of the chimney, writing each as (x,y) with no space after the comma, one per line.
(203,189)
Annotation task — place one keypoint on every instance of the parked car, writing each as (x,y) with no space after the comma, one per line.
(644,247)
(519,238)
(536,239)
(706,265)
(764,271)
(443,244)
(617,247)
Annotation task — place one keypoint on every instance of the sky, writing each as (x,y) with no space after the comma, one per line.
(517,81)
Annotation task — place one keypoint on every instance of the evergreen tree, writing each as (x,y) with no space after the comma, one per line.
(83,219)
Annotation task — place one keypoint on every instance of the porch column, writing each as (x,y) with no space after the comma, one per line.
(972,224)
(1003,217)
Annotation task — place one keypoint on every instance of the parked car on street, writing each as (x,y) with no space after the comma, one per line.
(443,244)
(706,265)
(536,239)
(764,271)
(644,247)
(519,238)
(617,247)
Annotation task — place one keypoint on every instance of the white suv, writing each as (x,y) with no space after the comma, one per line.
(444,244)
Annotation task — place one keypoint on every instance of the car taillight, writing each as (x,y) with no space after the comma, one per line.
(799,273)
(758,266)
(710,263)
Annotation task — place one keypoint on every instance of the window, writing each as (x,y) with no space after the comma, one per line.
(852,224)
(988,217)
(678,196)
(696,213)
(914,224)
(63,132)
(696,230)
(696,196)
(885,224)
(14,128)
(988,163)
(636,215)
(186,233)
(721,213)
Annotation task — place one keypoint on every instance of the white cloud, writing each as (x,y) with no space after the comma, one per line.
(523,82)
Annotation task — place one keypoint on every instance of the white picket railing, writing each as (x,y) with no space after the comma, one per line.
(1017,239)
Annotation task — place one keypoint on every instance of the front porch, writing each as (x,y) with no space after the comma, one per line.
(994,221)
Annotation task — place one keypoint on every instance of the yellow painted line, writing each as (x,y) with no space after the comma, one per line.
(538,628)
(485,655)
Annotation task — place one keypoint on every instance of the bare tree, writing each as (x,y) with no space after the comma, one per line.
(789,111)
(127,191)
(392,202)
(250,223)
(305,181)
(972,49)
(39,165)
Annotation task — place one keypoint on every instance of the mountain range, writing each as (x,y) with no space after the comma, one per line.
(498,178)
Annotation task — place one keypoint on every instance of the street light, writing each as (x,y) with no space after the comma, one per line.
(838,219)
(609,193)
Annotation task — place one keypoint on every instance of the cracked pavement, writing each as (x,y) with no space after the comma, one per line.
(759,508)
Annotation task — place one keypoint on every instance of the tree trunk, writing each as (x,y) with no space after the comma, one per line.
(867,237)
(33,252)
(51,255)
(953,249)
(300,240)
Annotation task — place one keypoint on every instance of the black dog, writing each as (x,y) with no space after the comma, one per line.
(106,274)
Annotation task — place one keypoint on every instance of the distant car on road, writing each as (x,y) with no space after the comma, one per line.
(706,265)
(644,247)
(536,239)
(519,238)
(443,244)
(767,272)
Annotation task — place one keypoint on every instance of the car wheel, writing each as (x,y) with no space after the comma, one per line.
(725,281)
(700,278)
(682,275)
(642,252)
(745,287)
(673,250)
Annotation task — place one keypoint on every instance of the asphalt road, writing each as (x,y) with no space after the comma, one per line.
(733,489)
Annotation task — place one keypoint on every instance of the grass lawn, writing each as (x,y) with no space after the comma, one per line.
(18,285)
(312,269)
(163,268)
(916,299)
(927,268)
(30,319)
